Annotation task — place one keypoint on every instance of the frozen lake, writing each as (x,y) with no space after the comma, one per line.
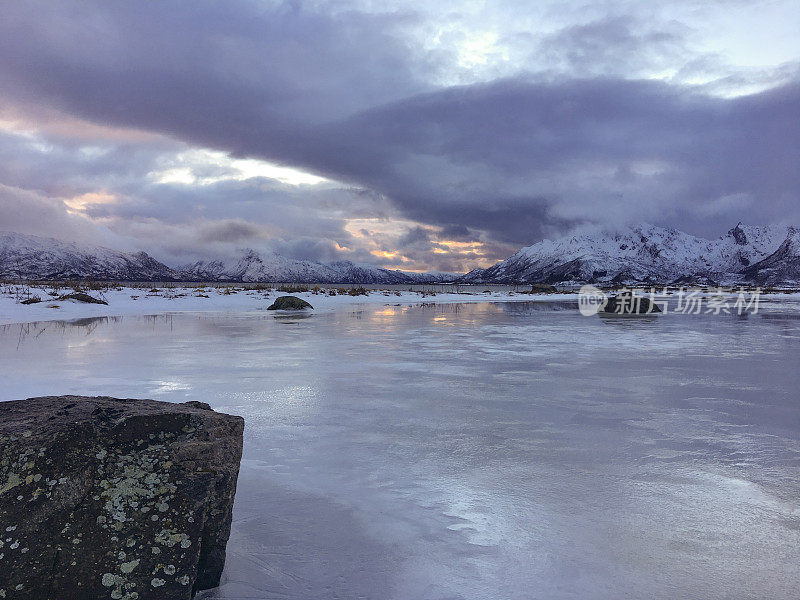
(476,451)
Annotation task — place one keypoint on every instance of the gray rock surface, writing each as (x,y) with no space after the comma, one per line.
(110,498)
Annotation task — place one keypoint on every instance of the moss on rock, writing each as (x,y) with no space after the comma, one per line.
(100,497)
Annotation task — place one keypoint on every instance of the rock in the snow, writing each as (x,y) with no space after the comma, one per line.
(82,297)
(109,498)
(626,303)
(289,303)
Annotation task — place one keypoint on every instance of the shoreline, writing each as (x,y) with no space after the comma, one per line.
(129,301)
(139,301)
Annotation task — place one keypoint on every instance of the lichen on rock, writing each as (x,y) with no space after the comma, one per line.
(109,498)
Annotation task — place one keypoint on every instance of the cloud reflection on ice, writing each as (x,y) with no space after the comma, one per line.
(476,451)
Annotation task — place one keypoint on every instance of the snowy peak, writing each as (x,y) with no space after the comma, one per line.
(249,265)
(33,257)
(645,253)
(252,266)
(738,234)
(780,267)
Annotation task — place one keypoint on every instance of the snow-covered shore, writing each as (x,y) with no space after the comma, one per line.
(137,301)
(125,301)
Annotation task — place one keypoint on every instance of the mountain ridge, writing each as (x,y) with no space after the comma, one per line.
(29,257)
(752,255)
(765,255)
(32,257)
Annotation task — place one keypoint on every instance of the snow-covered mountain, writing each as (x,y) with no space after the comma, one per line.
(645,253)
(270,267)
(33,257)
(352,273)
(251,266)
(782,266)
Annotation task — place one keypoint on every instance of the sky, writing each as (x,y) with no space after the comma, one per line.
(412,135)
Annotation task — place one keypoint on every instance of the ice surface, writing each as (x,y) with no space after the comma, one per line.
(476,451)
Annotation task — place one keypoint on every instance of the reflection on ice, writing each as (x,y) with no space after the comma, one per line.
(476,451)
(292,318)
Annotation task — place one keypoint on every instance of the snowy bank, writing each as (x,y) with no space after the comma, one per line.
(123,301)
(135,301)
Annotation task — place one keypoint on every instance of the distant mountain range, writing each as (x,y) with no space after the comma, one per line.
(270,267)
(648,254)
(31,257)
(764,256)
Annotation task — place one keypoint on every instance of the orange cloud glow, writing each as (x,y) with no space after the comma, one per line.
(80,203)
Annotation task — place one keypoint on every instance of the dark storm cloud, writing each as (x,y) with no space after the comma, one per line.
(314,248)
(230,231)
(415,235)
(459,233)
(563,142)
(164,65)
(345,95)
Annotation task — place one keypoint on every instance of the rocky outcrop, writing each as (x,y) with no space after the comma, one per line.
(109,498)
(289,303)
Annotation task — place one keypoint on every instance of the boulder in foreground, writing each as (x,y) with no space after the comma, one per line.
(289,303)
(109,498)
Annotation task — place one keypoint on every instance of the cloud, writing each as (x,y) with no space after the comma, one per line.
(614,45)
(417,235)
(517,157)
(577,130)
(25,212)
(233,230)
(458,232)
